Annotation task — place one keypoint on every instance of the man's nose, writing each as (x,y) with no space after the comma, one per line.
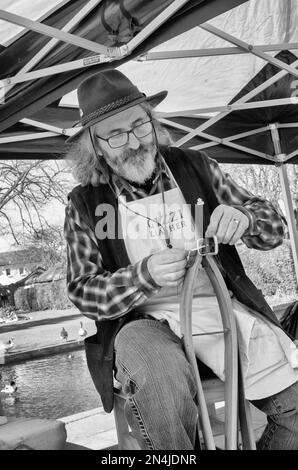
(133,141)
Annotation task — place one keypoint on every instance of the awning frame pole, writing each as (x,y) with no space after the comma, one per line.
(230,138)
(42,125)
(24,75)
(108,53)
(49,46)
(40,19)
(24,137)
(250,48)
(58,34)
(243,99)
(53,70)
(152,26)
(228,141)
(242,148)
(287,125)
(285,186)
(291,155)
(234,107)
(214,51)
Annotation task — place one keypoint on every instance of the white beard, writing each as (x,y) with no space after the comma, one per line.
(139,172)
(135,166)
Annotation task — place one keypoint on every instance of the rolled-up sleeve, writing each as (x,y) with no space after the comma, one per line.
(266,230)
(96,292)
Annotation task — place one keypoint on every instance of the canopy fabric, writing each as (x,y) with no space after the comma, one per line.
(251,121)
(201,81)
(28,98)
(234,123)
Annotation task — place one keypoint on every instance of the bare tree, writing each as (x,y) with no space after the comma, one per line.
(263,180)
(26,187)
(48,245)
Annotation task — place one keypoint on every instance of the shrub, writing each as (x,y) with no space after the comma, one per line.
(43,296)
(272,271)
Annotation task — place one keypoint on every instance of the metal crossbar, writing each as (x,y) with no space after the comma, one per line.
(54,33)
(211,332)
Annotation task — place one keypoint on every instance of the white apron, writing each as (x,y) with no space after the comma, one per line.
(269,357)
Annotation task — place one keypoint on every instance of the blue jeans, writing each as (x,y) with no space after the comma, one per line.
(281,432)
(160,407)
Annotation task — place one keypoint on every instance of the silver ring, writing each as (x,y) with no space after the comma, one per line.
(236,221)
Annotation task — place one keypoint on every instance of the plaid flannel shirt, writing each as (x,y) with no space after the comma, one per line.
(102,295)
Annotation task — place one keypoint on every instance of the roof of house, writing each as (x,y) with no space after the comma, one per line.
(18,258)
(53,274)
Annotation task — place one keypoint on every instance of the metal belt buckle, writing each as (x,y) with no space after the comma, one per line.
(207,246)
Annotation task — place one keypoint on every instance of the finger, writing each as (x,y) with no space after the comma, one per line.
(173,284)
(178,283)
(223,226)
(238,234)
(231,230)
(172,256)
(175,276)
(214,221)
(177,266)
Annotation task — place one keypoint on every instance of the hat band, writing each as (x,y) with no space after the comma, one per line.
(110,107)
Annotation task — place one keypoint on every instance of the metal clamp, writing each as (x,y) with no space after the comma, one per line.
(205,246)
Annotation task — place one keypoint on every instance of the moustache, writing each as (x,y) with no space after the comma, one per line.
(134,153)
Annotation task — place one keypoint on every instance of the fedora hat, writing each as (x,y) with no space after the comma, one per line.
(107,93)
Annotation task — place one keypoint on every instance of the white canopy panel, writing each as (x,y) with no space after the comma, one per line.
(215,80)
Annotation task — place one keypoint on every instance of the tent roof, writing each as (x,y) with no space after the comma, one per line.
(27,98)
(34,124)
(51,274)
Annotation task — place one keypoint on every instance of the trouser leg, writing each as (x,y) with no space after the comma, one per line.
(281,432)
(159,384)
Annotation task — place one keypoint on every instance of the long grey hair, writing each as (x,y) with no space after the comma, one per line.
(84,164)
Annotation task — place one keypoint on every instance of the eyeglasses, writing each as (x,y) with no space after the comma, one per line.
(119,140)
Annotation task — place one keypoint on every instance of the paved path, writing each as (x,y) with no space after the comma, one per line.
(92,429)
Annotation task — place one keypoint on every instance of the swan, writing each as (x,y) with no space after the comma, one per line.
(82,332)
(63,334)
(6,346)
(9,389)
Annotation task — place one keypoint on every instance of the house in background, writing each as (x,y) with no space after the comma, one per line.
(16,264)
(43,289)
(26,285)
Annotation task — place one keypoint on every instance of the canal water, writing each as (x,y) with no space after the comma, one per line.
(51,387)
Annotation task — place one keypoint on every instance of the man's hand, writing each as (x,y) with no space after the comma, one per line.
(228,224)
(167,267)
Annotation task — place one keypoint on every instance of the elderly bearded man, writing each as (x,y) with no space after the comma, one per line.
(130,284)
